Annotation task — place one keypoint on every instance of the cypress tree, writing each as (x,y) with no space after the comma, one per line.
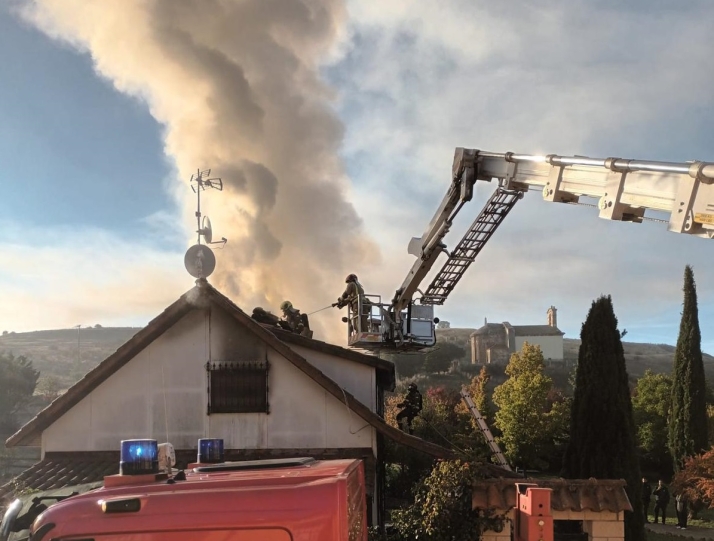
(602,433)
(688,418)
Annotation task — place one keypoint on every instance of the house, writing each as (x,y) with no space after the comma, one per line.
(563,509)
(204,369)
(495,342)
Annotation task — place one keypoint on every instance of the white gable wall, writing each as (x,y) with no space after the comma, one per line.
(168,379)
(551,346)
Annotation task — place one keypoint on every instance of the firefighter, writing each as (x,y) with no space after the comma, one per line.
(354,297)
(295,321)
(411,407)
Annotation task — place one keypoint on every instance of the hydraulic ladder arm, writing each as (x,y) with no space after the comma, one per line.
(625,190)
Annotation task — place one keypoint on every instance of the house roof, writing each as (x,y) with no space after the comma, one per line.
(519,330)
(537,330)
(566,495)
(488,328)
(196,298)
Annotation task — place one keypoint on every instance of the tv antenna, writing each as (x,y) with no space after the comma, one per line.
(199,260)
(200,181)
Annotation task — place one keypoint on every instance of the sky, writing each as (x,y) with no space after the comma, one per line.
(333,126)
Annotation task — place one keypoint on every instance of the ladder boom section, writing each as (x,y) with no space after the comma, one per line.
(624,188)
(428,247)
(481,230)
(485,430)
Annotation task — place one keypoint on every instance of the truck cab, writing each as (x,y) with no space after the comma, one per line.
(263,500)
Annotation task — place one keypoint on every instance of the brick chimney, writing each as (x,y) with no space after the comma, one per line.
(552,316)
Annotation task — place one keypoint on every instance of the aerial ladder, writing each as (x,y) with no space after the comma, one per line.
(485,430)
(625,190)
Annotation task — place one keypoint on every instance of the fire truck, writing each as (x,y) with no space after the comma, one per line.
(211,500)
(680,194)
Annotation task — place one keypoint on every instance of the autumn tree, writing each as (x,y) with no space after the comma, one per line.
(437,423)
(651,405)
(602,429)
(527,420)
(479,394)
(696,481)
(17,384)
(688,419)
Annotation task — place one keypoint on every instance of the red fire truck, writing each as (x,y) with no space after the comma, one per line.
(263,500)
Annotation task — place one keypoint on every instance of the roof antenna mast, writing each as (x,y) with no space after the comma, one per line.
(199,259)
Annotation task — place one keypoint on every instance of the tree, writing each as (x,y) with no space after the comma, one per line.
(602,428)
(442,508)
(479,394)
(49,387)
(525,416)
(688,419)
(651,405)
(17,384)
(439,358)
(696,481)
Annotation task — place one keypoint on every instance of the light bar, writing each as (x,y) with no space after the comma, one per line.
(139,457)
(210,450)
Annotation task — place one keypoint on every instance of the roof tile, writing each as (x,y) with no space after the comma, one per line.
(567,494)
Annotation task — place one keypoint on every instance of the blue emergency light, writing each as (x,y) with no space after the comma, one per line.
(139,457)
(210,450)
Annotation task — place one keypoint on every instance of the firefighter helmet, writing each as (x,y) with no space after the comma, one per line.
(412,387)
(351,278)
(286,305)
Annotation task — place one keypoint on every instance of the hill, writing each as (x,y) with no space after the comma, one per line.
(639,357)
(56,353)
(66,354)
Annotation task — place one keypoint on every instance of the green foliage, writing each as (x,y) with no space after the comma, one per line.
(478,389)
(17,384)
(442,509)
(529,422)
(440,357)
(602,433)
(440,423)
(651,404)
(688,419)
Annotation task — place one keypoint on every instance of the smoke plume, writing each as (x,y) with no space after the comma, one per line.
(236,85)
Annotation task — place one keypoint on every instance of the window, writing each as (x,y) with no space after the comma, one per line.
(238,387)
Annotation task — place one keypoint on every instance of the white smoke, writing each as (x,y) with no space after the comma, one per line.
(236,84)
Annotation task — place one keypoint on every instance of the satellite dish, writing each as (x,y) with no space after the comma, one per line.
(199,261)
(206,230)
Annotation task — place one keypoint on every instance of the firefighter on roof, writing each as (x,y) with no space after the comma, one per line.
(294,320)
